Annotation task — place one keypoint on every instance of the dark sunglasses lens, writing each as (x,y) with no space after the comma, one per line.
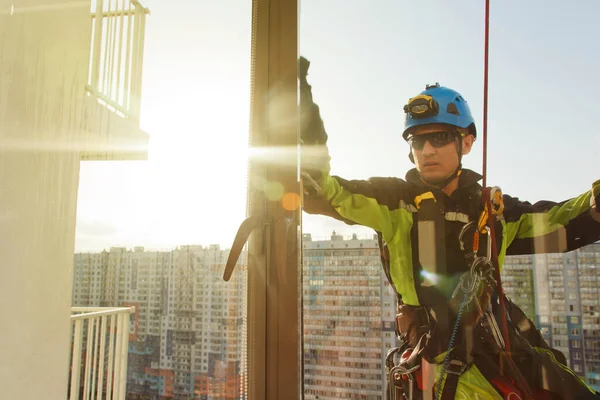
(441,139)
(438,139)
(417,143)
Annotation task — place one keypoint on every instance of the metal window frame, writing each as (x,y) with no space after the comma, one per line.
(274,280)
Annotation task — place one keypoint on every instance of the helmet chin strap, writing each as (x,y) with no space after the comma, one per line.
(441,185)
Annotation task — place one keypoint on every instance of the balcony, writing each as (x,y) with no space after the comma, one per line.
(95,72)
(114,85)
(99,349)
(70,90)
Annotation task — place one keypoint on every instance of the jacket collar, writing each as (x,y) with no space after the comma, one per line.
(467,178)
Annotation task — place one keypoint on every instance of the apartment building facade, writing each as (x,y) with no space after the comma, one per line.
(186,336)
(349,311)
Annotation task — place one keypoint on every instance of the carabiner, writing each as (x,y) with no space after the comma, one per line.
(497,200)
(462,233)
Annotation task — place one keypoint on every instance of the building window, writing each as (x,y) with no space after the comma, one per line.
(576,344)
(575,332)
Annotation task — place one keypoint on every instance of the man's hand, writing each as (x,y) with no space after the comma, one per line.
(311,125)
(595,201)
(315,156)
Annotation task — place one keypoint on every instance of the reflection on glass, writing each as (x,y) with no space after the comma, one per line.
(367,60)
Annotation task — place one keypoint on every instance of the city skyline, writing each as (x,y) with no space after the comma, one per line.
(186,336)
(179,296)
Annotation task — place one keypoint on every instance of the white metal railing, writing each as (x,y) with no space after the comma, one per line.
(116,55)
(99,352)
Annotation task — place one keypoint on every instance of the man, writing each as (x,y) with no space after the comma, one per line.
(436,243)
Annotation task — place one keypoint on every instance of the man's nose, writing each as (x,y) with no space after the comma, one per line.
(428,148)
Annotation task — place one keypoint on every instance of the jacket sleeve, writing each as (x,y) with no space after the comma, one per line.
(363,202)
(551,227)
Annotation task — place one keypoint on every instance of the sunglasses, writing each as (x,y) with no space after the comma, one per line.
(436,139)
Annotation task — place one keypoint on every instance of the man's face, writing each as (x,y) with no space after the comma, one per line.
(434,148)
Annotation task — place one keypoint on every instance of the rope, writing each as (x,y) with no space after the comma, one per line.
(485,88)
(487,201)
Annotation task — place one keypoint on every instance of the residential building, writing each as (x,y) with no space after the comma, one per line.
(517,282)
(187,334)
(567,298)
(349,312)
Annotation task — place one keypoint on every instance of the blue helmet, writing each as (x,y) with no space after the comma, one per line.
(438,104)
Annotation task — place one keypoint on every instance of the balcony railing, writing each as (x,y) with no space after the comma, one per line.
(99,352)
(116,55)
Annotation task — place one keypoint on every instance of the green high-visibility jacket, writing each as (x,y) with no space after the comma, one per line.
(388,206)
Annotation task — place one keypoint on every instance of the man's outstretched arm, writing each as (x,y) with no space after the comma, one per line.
(369,203)
(551,227)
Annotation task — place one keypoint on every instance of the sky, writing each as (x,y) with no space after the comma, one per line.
(367,59)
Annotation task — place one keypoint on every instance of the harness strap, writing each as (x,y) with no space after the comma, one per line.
(490,370)
(455,368)
(504,380)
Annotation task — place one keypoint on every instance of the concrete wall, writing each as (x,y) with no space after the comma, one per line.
(44,56)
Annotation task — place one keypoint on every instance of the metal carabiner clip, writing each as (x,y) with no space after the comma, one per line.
(462,234)
(469,287)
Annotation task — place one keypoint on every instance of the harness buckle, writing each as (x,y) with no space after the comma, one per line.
(424,196)
(456,367)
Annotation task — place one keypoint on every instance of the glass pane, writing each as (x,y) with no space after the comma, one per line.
(156,234)
(367,59)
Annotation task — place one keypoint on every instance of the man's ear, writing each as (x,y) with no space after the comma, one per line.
(467,144)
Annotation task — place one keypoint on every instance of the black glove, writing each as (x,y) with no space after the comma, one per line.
(312,129)
(315,156)
(595,200)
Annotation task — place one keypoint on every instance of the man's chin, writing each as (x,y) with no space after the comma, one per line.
(433,180)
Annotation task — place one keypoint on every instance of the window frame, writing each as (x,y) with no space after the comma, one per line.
(274,345)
